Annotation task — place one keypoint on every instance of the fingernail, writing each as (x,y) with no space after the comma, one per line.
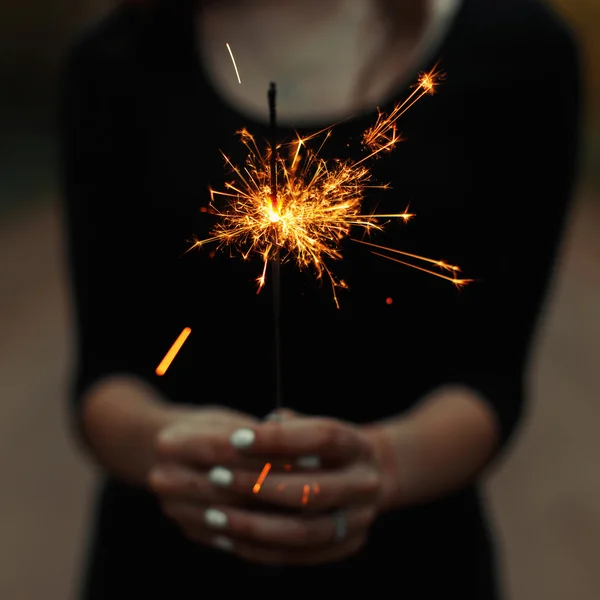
(169,436)
(158,477)
(308,462)
(216,519)
(242,438)
(220,476)
(274,417)
(223,543)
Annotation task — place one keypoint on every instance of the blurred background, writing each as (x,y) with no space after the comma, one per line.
(545,494)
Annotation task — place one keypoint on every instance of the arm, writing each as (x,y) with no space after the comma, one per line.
(120,418)
(451,435)
(440,446)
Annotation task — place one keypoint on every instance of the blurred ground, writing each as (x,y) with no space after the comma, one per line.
(545,496)
(45,485)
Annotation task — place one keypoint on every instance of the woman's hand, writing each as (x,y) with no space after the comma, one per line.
(183,477)
(323,489)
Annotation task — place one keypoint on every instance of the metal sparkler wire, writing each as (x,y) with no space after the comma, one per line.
(276,260)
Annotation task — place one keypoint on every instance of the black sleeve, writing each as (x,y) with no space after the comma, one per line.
(110,269)
(525,159)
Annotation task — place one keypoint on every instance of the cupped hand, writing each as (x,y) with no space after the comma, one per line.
(320,495)
(184,478)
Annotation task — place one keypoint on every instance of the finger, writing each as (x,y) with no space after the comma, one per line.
(282,414)
(294,531)
(188,444)
(175,482)
(275,543)
(261,528)
(214,486)
(309,461)
(322,491)
(325,491)
(194,444)
(296,557)
(332,440)
(274,555)
(201,444)
(199,535)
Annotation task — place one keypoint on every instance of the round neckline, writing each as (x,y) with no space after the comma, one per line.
(426,62)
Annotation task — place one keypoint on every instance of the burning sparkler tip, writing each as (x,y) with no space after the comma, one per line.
(288,203)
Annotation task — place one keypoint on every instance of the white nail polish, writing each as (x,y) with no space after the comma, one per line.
(275,417)
(169,435)
(308,462)
(216,519)
(242,438)
(223,543)
(220,476)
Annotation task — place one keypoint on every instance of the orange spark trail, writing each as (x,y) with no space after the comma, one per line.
(261,478)
(305,494)
(454,280)
(438,263)
(165,363)
(237,73)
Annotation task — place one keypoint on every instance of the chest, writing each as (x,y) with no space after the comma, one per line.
(317,56)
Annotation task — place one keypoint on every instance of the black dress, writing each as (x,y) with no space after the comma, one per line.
(488,168)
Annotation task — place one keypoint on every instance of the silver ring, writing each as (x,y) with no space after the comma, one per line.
(340,525)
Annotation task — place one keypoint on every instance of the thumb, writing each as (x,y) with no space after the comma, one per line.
(282,414)
(287,414)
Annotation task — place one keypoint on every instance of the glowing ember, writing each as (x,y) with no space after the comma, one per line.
(261,478)
(305,494)
(237,73)
(165,363)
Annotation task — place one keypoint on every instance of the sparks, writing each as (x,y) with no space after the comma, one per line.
(317,204)
(384,136)
(307,489)
(261,478)
(305,494)
(165,363)
(438,263)
(237,73)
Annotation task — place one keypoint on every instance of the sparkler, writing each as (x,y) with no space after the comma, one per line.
(287,203)
(301,207)
(272,96)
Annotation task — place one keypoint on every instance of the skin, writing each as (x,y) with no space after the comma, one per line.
(329,59)
(365,470)
(132,432)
